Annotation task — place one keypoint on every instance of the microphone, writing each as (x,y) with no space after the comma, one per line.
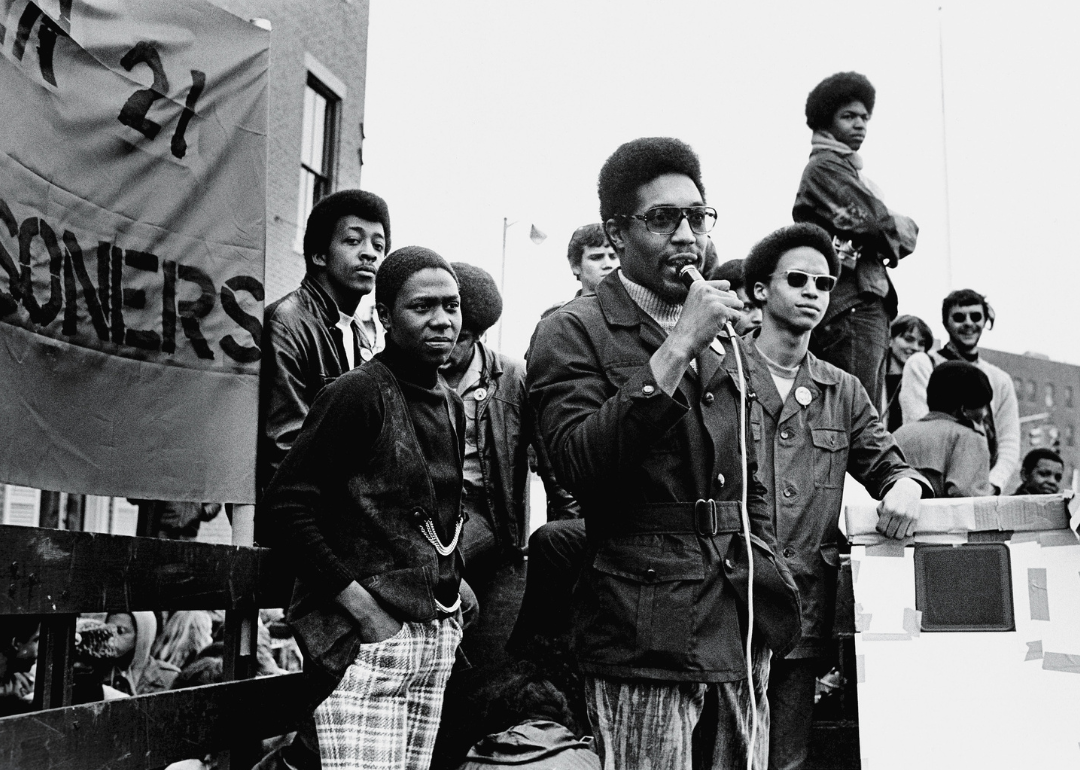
(689,275)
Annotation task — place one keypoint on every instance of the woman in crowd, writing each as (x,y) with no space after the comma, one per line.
(909,335)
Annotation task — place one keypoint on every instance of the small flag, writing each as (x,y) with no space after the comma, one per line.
(535,235)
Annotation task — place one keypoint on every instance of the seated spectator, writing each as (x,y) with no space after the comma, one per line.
(186,633)
(18,661)
(1041,472)
(111,657)
(909,335)
(948,445)
(530,726)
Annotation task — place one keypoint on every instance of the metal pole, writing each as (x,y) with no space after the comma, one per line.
(945,156)
(502,278)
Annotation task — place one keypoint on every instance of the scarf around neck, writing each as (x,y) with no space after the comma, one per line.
(823,141)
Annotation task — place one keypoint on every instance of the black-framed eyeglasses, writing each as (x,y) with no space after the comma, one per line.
(796,279)
(976,316)
(664,220)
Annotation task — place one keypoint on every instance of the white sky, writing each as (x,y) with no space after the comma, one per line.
(477,111)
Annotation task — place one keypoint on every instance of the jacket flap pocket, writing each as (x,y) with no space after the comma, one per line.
(829,439)
(652,558)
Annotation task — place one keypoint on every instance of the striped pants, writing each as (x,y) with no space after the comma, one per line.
(649,725)
(384,714)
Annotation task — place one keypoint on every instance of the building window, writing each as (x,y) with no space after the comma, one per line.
(1031,390)
(1068,396)
(1048,397)
(318,147)
(1070,435)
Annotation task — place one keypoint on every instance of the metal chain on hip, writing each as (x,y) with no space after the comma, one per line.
(427,529)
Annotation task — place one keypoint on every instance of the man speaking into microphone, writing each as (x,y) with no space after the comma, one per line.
(638,403)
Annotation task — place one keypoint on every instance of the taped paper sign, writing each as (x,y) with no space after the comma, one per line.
(985,681)
(132,221)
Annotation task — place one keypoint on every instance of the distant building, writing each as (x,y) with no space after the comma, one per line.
(318,71)
(1049,396)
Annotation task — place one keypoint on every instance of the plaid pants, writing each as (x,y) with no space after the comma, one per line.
(384,714)
(649,725)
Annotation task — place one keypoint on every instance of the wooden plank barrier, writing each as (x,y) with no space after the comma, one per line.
(56,574)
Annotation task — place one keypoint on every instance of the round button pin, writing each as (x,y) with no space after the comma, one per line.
(802,395)
(480,393)
(648,390)
(366,354)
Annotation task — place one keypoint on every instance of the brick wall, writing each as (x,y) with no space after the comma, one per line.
(334,32)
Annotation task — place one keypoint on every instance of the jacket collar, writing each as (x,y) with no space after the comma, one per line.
(322,300)
(620,310)
(492,368)
(813,375)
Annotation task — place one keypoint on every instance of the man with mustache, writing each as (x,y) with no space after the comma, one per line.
(310,337)
(638,408)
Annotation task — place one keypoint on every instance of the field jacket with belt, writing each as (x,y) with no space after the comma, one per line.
(659,597)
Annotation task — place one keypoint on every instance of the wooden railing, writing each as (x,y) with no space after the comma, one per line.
(55,574)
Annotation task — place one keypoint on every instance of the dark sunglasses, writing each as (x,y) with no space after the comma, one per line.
(664,220)
(796,279)
(959,318)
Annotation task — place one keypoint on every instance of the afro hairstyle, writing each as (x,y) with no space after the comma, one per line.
(1031,459)
(325,215)
(834,92)
(966,298)
(637,163)
(399,266)
(585,237)
(956,385)
(732,272)
(481,303)
(761,263)
(912,323)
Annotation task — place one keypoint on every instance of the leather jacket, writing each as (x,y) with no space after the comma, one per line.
(350,508)
(303,352)
(504,431)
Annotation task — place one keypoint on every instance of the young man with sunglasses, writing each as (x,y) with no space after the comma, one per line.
(638,407)
(965,314)
(836,195)
(811,423)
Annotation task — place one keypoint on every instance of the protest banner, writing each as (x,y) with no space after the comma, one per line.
(132,246)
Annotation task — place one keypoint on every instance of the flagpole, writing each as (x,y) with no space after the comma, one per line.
(502,275)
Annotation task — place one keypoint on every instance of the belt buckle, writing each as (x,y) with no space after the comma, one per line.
(705,518)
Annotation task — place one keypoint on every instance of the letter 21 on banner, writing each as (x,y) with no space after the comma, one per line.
(132,247)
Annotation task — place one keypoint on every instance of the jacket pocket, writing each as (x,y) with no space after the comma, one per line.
(646,587)
(830,457)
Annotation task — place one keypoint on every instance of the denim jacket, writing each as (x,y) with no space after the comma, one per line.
(808,448)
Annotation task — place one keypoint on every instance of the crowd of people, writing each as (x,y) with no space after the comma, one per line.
(682,429)
(666,418)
